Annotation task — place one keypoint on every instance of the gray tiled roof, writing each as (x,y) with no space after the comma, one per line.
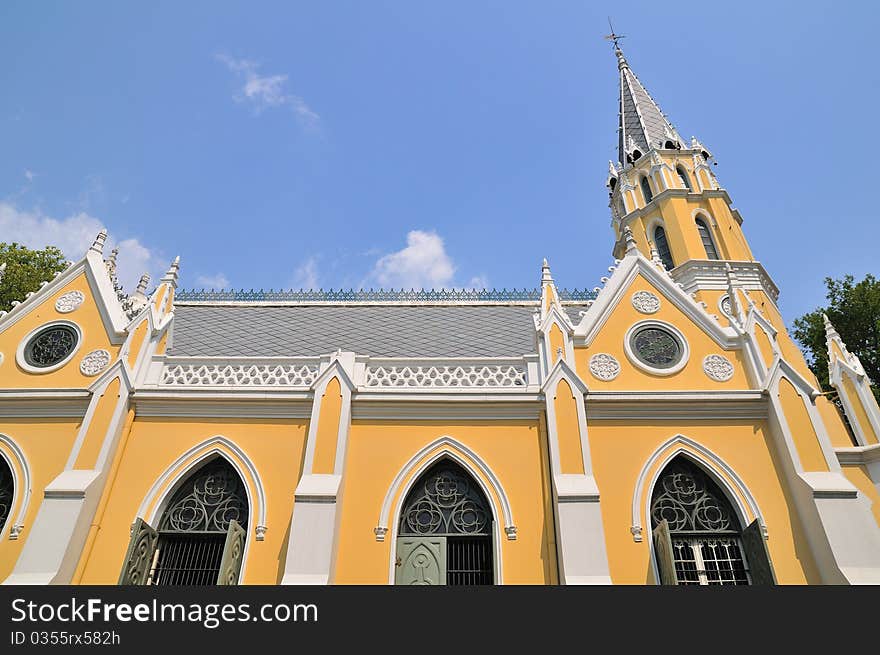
(573,312)
(375,330)
(640,116)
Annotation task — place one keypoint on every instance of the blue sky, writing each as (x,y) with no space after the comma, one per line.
(414,143)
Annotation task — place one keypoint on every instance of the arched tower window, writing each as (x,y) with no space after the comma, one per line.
(646,190)
(691,513)
(706,238)
(663,248)
(201,534)
(445,530)
(684,177)
(7,492)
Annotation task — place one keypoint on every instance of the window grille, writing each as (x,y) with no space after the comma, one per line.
(50,346)
(706,238)
(194,527)
(663,248)
(447,508)
(6,492)
(704,529)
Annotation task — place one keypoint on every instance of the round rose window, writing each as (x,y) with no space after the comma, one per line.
(656,347)
(50,346)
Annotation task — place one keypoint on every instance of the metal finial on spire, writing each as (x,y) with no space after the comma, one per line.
(614,37)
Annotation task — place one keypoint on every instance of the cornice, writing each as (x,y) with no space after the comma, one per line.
(676,405)
(43,403)
(442,409)
(701,274)
(223,404)
(858,455)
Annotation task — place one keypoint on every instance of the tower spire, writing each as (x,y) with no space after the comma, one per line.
(641,124)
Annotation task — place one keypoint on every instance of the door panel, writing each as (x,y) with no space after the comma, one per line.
(420,561)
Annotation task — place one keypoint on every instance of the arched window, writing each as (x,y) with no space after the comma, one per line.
(683,176)
(706,238)
(7,492)
(445,530)
(663,247)
(697,534)
(201,534)
(646,190)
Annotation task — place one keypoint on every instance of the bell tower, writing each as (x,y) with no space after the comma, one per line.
(664,189)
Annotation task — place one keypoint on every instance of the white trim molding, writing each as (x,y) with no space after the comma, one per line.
(15,459)
(455,449)
(190,461)
(720,471)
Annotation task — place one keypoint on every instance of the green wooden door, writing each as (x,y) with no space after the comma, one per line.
(420,561)
(139,556)
(230,564)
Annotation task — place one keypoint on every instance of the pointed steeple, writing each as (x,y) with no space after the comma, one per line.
(642,125)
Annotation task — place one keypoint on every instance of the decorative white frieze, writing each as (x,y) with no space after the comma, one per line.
(718,368)
(233,375)
(604,367)
(95,362)
(69,301)
(645,302)
(427,376)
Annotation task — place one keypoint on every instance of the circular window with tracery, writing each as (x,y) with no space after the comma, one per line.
(51,346)
(656,347)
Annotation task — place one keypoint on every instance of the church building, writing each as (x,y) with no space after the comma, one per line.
(661,428)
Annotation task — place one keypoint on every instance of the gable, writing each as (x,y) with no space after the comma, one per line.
(72,303)
(623,316)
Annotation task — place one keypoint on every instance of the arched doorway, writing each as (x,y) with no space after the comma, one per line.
(698,536)
(201,533)
(445,530)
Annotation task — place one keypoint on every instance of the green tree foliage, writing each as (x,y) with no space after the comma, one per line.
(25,269)
(854,310)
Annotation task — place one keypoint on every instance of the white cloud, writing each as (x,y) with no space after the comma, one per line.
(29,174)
(422,264)
(218,281)
(478,282)
(73,235)
(266,91)
(306,275)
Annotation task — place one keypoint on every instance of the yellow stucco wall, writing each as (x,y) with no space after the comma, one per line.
(619,452)
(611,340)
(46,444)
(275,446)
(837,431)
(568,430)
(802,431)
(94,336)
(328,428)
(861,416)
(377,451)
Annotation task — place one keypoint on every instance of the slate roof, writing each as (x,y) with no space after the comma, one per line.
(640,117)
(374,330)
